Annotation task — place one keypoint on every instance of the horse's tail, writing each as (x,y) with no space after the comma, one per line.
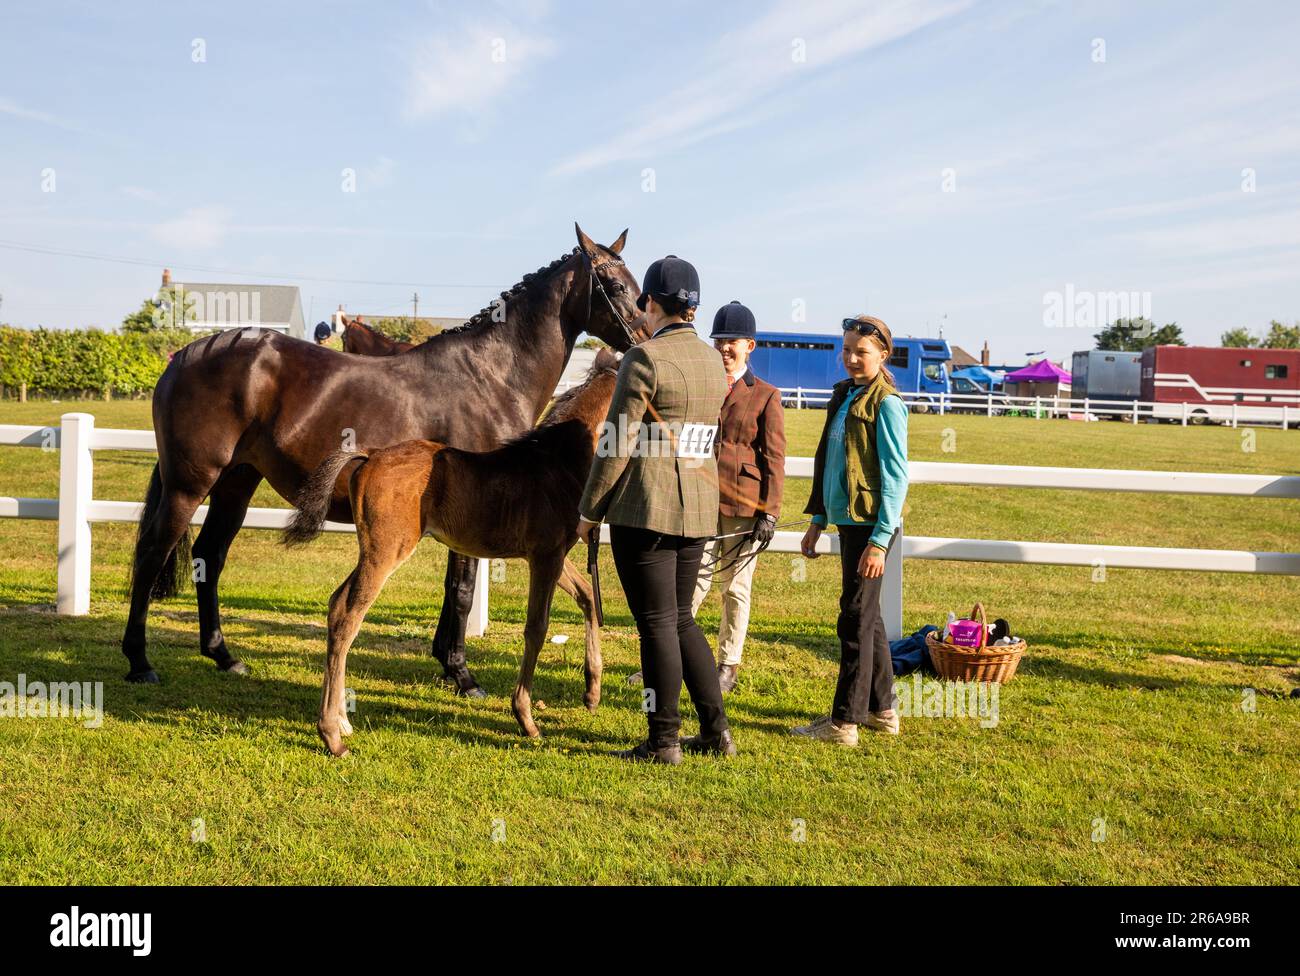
(313,501)
(175,570)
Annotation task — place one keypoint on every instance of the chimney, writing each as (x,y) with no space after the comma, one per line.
(984,354)
(167,277)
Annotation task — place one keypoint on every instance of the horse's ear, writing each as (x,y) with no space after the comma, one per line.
(588,246)
(617,246)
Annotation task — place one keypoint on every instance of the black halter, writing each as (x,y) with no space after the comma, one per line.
(596,286)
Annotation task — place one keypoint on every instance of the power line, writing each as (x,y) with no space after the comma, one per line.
(209,269)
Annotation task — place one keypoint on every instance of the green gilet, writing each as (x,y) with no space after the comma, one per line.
(861,465)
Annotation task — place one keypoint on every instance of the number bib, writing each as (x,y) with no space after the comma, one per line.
(697,440)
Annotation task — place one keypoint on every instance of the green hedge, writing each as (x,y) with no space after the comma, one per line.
(71,363)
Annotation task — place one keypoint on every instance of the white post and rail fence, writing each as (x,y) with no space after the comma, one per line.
(1282,410)
(76,510)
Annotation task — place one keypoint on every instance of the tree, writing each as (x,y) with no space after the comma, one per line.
(1238,338)
(1278,336)
(166,310)
(405,329)
(1134,335)
(1282,336)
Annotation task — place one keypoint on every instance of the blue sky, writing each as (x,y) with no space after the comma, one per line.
(479,132)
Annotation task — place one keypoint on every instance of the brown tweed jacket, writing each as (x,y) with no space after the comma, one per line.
(669,380)
(751,449)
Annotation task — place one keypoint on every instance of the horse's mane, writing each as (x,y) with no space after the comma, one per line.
(485,314)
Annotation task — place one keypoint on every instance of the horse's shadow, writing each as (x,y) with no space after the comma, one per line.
(390,693)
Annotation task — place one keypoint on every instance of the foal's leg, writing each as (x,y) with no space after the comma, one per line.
(381,553)
(576,585)
(449,638)
(543,571)
(227,506)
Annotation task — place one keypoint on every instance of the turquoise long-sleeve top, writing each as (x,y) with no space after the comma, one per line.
(891,451)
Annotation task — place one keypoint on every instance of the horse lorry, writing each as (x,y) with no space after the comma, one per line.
(799,362)
(1204,383)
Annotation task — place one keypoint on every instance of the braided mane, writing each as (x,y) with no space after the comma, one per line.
(484,314)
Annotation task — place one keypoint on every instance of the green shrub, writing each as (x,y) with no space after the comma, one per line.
(85,362)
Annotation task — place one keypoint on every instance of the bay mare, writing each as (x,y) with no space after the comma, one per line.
(235,408)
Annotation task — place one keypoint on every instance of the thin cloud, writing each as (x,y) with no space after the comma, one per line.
(10,107)
(471,66)
(198,227)
(762,54)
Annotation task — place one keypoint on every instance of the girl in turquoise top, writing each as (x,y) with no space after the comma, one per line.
(859,484)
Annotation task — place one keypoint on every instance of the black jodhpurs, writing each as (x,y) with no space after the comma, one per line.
(658,573)
(866,681)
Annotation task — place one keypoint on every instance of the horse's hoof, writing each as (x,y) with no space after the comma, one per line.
(147,677)
(235,667)
(464,684)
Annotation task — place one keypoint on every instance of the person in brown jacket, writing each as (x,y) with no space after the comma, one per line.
(751,476)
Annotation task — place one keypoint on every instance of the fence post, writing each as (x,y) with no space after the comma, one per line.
(1135,411)
(1038,408)
(943,403)
(477,623)
(1234,414)
(891,590)
(1184,413)
(1285,425)
(990,406)
(76,468)
(1085,408)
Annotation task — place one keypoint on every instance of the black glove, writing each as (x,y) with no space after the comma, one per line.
(764,529)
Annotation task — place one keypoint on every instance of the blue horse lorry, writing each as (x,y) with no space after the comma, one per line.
(791,360)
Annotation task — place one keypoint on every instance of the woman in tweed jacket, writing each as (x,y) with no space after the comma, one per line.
(655,481)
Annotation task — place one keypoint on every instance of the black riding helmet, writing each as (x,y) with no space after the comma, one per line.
(671,278)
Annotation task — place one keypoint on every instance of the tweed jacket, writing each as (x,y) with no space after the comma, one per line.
(751,449)
(640,477)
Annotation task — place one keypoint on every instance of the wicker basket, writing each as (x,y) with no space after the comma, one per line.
(995,664)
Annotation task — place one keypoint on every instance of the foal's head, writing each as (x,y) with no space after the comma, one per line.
(588,402)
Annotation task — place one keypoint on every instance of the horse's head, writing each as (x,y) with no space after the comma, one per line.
(604,293)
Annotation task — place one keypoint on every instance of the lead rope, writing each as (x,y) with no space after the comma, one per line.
(711,567)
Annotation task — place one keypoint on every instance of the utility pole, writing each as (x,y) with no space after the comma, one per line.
(415,308)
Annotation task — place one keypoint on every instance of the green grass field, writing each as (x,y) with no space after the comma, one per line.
(1128,749)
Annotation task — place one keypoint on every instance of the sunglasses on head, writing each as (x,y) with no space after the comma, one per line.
(862,328)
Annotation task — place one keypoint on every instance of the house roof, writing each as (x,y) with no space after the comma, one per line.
(960,357)
(232,304)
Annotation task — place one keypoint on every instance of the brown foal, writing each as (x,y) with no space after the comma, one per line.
(518,501)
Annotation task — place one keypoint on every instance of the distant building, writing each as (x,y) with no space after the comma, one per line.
(211,305)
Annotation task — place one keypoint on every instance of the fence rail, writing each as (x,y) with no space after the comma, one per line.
(76,510)
(1233,413)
